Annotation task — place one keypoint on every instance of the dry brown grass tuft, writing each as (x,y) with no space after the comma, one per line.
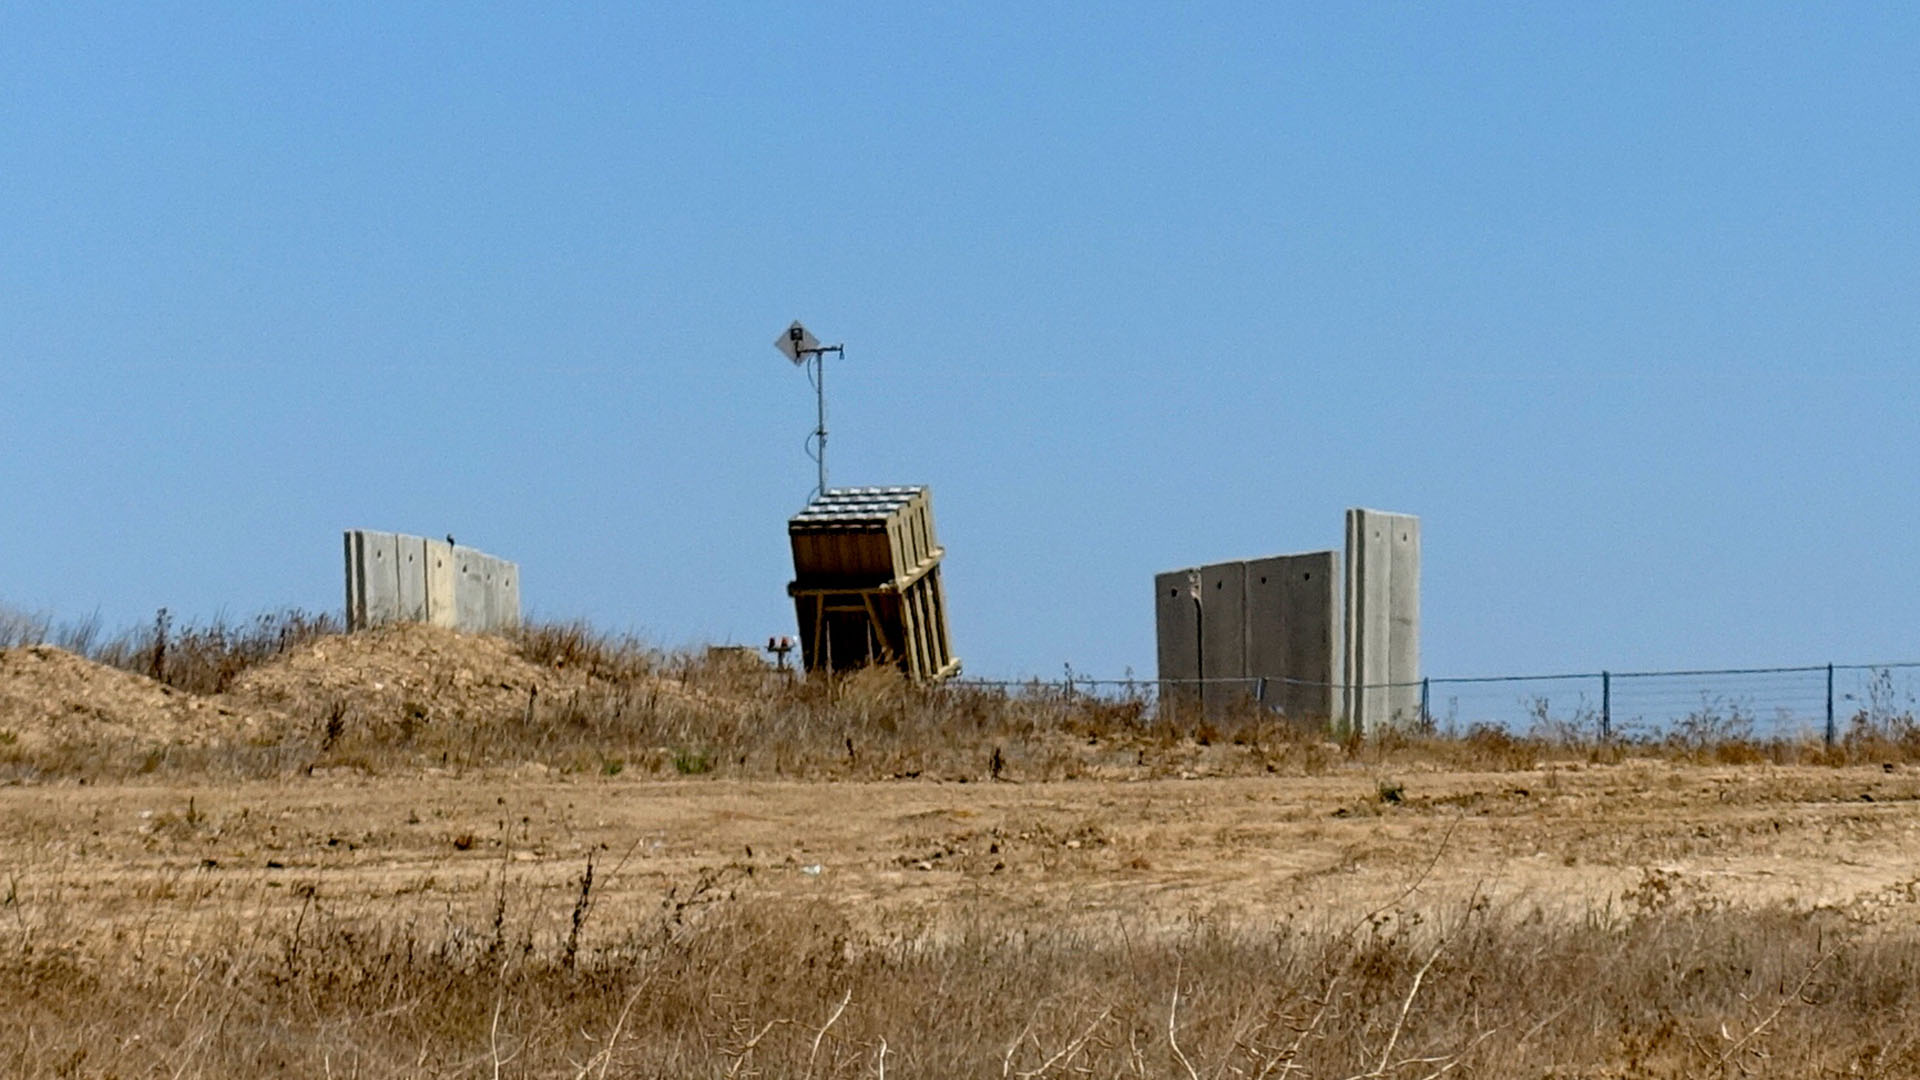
(206,659)
(287,694)
(717,983)
(577,646)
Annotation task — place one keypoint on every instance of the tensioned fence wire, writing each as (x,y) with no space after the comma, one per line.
(1811,701)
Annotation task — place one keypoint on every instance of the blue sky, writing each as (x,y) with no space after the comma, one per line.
(1621,299)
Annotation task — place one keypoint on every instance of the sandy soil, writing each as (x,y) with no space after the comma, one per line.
(48,694)
(1146,857)
(1137,856)
(392,676)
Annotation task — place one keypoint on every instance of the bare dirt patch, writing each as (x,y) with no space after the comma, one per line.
(1155,854)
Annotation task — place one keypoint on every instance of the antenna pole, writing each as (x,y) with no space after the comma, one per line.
(818,357)
(805,350)
(820,433)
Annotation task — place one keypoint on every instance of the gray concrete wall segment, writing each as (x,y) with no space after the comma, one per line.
(1176,620)
(1293,632)
(490,581)
(487,575)
(440,576)
(410,596)
(1335,636)
(356,596)
(373,575)
(1349,719)
(469,590)
(1223,635)
(1382,613)
(389,559)
(482,584)
(503,594)
(383,578)
(1403,617)
(1314,642)
(392,577)
(508,596)
(1366,608)
(1262,630)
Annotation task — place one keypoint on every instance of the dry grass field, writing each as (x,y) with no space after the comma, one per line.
(282,851)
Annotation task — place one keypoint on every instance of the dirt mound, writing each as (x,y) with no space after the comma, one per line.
(413,673)
(401,673)
(48,695)
(382,684)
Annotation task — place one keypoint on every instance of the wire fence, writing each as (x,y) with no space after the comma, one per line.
(1824,701)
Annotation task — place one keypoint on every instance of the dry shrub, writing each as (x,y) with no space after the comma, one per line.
(21,628)
(577,646)
(570,698)
(1881,737)
(1501,749)
(206,659)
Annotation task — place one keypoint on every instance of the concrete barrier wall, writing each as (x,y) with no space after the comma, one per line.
(437,556)
(1382,619)
(373,581)
(1235,624)
(410,560)
(1293,632)
(472,589)
(1223,637)
(1176,622)
(393,577)
(1403,619)
(1305,634)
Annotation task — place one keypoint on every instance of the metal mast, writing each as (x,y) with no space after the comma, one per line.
(806,351)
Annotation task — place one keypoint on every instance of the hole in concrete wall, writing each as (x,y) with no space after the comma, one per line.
(1308,576)
(1173,592)
(1263,581)
(1219,584)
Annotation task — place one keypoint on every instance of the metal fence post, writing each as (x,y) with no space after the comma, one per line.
(1426,697)
(1606,706)
(1831,733)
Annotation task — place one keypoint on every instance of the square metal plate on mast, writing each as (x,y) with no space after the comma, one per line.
(797,343)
